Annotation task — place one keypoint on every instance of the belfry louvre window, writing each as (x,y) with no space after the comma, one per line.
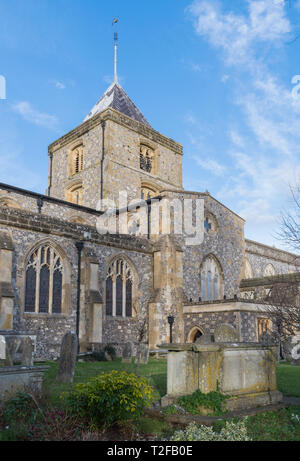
(119,283)
(146,159)
(76,161)
(44,282)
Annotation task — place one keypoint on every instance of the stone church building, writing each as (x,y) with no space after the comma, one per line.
(58,273)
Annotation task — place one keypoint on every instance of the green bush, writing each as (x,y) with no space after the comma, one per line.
(21,407)
(231,432)
(110,397)
(213,401)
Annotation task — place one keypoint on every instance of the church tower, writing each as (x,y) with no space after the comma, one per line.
(114,149)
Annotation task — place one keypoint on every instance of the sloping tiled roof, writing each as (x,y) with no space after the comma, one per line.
(116,98)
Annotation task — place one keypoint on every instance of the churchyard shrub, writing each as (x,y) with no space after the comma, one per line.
(234,432)
(19,408)
(213,401)
(110,397)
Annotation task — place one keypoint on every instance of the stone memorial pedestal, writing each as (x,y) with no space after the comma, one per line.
(246,372)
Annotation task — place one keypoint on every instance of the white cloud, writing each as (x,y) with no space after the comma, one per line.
(224,78)
(60,85)
(32,115)
(236,34)
(236,138)
(211,165)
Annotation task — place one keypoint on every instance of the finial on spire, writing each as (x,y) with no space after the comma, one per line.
(115,21)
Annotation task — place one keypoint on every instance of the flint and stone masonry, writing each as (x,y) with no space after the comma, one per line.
(125,282)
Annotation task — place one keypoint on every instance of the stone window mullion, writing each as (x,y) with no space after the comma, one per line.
(38,270)
(124,296)
(114,291)
(51,267)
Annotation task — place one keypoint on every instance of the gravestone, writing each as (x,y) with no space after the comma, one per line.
(296,350)
(287,347)
(127,352)
(142,354)
(225,333)
(2,348)
(67,359)
(27,353)
(204,339)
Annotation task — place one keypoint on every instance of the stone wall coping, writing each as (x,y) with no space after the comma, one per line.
(19,369)
(234,305)
(262,246)
(270,280)
(54,226)
(214,347)
(121,119)
(201,194)
(47,198)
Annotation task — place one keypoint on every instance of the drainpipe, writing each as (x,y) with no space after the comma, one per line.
(79,246)
(50,173)
(103,125)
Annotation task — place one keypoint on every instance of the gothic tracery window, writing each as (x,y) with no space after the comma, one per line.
(119,287)
(211,280)
(44,281)
(269,270)
(146,159)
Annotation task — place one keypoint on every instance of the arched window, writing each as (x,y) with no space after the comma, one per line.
(44,281)
(269,270)
(194,335)
(119,285)
(76,160)
(74,194)
(148,192)
(211,280)
(147,159)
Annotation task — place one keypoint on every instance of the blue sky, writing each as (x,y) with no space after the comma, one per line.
(220,77)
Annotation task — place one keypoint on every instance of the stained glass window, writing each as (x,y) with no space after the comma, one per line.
(211,280)
(44,281)
(119,284)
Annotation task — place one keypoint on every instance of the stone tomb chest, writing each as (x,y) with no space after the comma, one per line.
(247,372)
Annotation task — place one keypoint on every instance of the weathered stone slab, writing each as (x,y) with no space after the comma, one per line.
(204,339)
(67,359)
(245,372)
(225,333)
(142,354)
(127,352)
(27,353)
(15,379)
(2,348)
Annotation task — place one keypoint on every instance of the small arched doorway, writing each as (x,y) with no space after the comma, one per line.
(195,334)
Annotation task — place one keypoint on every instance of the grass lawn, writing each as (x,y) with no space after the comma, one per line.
(155,372)
(281,425)
(288,379)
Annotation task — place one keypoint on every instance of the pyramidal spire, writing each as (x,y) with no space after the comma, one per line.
(115,97)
